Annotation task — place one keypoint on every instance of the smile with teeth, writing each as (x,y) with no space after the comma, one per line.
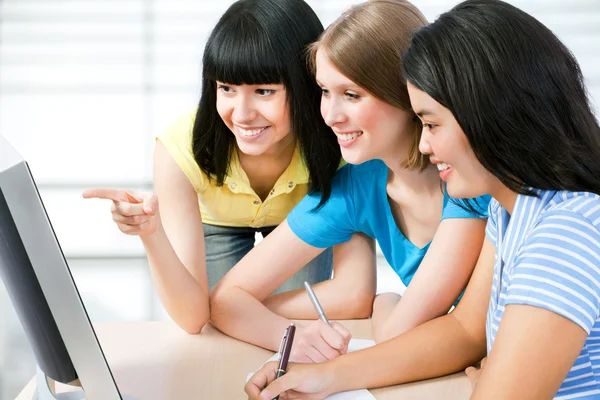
(250,132)
(443,166)
(348,136)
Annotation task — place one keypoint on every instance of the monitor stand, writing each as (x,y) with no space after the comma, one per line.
(44,392)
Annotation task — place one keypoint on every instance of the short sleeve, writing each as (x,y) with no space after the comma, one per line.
(177,139)
(491,230)
(471,208)
(331,224)
(557,269)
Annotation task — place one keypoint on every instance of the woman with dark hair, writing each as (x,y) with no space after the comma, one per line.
(388,191)
(255,146)
(505,112)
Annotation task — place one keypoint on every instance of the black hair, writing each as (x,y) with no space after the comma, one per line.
(516,91)
(265,42)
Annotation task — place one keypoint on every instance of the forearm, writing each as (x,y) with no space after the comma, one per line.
(183,297)
(400,319)
(436,348)
(338,300)
(240,315)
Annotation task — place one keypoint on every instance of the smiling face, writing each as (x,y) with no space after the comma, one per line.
(258,116)
(447,146)
(366,127)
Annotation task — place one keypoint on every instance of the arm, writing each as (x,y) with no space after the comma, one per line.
(442,275)
(441,346)
(349,295)
(176,249)
(237,301)
(529,338)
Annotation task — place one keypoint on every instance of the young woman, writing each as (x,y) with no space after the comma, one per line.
(504,106)
(389,192)
(253,149)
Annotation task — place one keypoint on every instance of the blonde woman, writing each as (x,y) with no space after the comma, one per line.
(389,192)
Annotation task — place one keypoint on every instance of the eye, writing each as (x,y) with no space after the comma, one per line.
(224,88)
(265,92)
(429,126)
(324,92)
(351,96)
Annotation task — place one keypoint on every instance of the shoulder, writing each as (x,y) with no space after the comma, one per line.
(584,203)
(557,264)
(177,140)
(570,215)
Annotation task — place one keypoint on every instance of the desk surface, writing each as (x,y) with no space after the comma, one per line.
(158,360)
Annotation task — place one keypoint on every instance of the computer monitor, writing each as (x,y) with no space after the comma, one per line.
(41,288)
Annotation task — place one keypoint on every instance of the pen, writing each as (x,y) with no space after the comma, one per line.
(315,302)
(286,349)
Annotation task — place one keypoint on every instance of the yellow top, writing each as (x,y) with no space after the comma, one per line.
(235,203)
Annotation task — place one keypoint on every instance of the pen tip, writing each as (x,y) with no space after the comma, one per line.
(292,324)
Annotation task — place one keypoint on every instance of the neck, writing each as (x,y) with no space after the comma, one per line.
(426,181)
(505,197)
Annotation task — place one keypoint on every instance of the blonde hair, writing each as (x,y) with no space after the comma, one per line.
(366,45)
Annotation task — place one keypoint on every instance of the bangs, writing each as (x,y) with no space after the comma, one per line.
(245,56)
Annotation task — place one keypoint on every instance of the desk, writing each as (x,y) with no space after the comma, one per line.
(158,360)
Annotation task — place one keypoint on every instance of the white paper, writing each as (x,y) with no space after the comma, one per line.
(362,394)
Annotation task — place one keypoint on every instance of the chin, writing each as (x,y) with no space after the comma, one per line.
(251,150)
(462,191)
(352,157)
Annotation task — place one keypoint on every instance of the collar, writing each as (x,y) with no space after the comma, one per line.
(295,174)
(516,227)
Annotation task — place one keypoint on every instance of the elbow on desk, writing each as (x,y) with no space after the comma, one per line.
(192,320)
(194,327)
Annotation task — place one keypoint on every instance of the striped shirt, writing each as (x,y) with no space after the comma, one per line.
(548,256)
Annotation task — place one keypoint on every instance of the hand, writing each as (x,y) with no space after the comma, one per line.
(301,381)
(319,342)
(134,214)
(473,373)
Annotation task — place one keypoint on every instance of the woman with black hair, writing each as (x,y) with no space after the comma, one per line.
(504,112)
(253,149)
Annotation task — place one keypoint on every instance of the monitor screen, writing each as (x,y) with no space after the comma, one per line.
(41,288)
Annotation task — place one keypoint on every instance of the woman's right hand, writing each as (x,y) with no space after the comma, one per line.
(301,381)
(319,342)
(134,214)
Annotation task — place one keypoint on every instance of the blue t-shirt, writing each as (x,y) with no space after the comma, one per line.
(548,256)
(359,203)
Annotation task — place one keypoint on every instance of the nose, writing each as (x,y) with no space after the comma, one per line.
(332,111)
(424,144)
(244,110)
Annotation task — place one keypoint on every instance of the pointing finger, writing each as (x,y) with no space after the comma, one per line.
(110,194)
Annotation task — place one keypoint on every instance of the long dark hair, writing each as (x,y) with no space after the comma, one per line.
(265,42)
(516,91)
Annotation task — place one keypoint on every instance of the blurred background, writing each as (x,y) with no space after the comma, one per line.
(85,85)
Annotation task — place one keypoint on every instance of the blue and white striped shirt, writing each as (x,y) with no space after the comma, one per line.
(548,256)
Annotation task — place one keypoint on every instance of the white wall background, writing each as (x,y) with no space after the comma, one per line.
(85,86)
